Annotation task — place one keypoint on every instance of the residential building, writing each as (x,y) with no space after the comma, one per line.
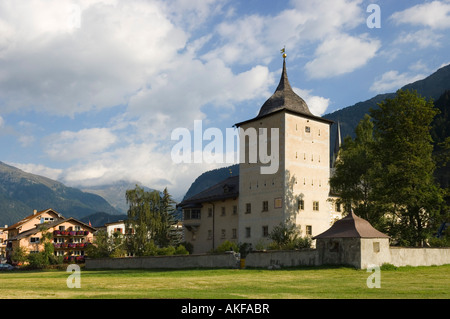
(69,236)
(3,238)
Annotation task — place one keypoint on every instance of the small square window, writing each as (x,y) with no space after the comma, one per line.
(316,206)
(376,247)
(308,230)
(307,129)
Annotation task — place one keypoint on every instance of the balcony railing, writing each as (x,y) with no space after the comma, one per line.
(70,245)
(78,259)
(70,232)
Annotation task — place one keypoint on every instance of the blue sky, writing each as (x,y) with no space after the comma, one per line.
(90,90)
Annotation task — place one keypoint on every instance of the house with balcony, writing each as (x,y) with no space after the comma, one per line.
(3,238)
(69,236)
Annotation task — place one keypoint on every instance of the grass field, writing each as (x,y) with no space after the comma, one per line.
(310,283)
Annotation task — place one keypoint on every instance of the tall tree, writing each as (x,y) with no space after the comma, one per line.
(404,151)
(150,216)
(356,173)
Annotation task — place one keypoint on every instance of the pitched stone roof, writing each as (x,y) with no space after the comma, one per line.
(351,226)
(228,188)
(284,98)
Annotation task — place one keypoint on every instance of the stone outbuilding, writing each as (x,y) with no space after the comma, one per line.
(352,241)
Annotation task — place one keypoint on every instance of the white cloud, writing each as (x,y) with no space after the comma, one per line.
(341,54)
(177,96)
(39,169)
(68,145)
(254,37)
(423,38)
(142,162)
(393,80)
(317,104)
(435,14)
(50,68)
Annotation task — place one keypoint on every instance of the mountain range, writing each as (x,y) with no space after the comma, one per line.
(21,192)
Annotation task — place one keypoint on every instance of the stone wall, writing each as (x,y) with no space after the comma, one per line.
(359,254)
(282,258)
(419,256)
(227,260)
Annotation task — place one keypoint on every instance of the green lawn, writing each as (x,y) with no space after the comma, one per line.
(316,283)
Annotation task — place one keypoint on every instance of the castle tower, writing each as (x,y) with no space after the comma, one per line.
(298,189)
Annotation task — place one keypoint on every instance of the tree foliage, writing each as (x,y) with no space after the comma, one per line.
(404,150)
(151,218)
(386,175)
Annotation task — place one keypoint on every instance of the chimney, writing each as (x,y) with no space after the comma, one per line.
(34,212)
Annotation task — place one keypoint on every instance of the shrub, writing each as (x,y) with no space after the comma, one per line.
(227,246)
(181,250)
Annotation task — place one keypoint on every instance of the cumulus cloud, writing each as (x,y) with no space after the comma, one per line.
(422,38)
(144,162)
(340,55)
(435,15)
(393,80)
(317,104)
(49,67)
(68,145)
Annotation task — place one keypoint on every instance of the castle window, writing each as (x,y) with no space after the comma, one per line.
(223,233)
(278,202)
(265,206)
(209,234)
(248,232)
(316,206)
(234,233)
(307,129)
(301,204)
(234,210)
(248,208)
(265,231)
(308,230)
(210,212)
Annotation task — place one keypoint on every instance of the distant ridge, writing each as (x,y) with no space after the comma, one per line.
(21,193)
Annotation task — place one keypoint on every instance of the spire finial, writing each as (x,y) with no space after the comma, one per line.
(283,51)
